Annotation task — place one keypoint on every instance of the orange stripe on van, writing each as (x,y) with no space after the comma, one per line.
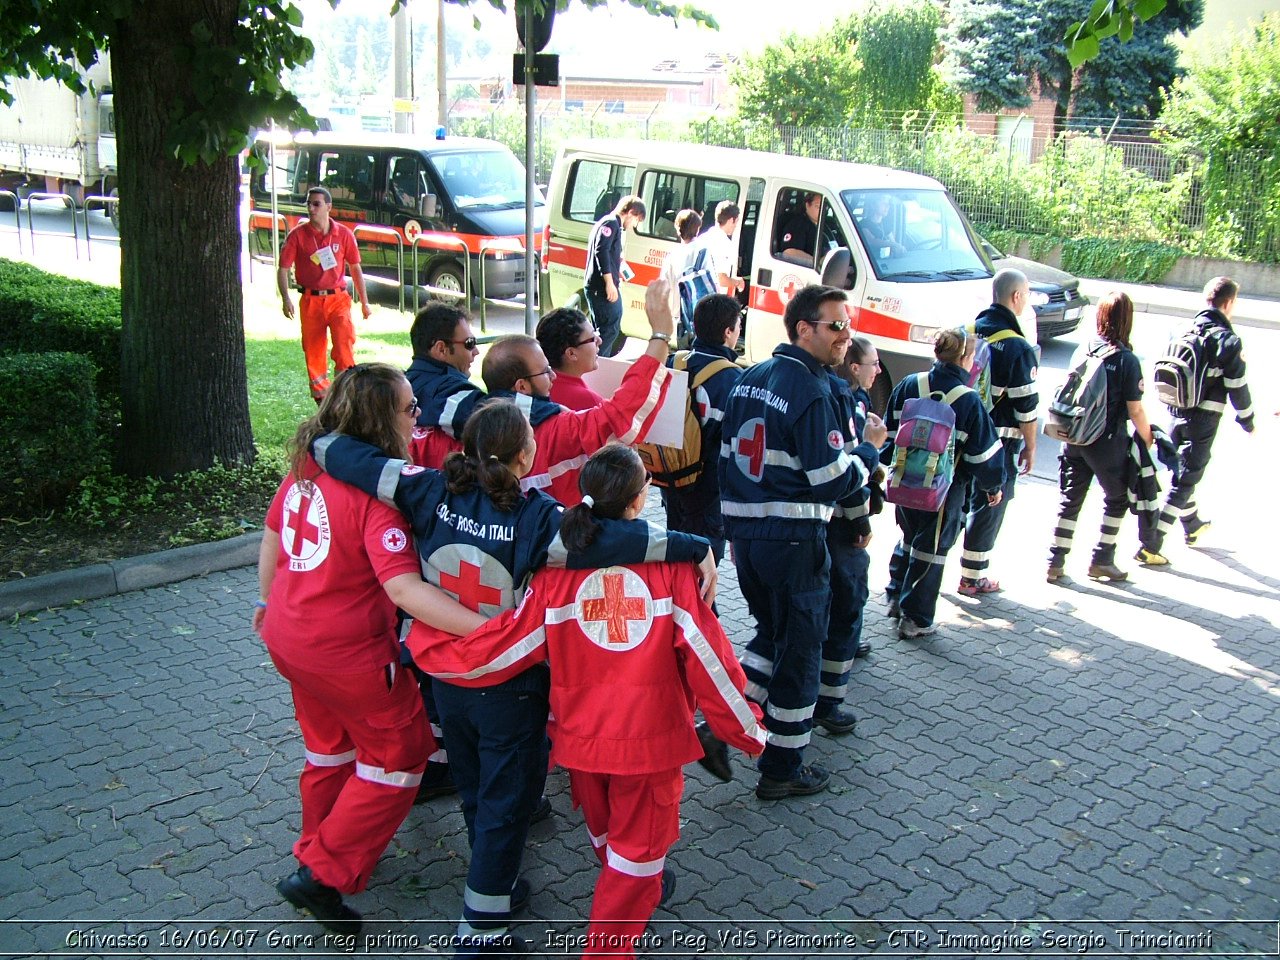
(433,240)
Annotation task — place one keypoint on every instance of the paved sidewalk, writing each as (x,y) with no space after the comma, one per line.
(1080,753)
(1251,311)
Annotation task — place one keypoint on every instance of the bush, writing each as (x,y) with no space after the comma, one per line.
(44,312)
(48,428)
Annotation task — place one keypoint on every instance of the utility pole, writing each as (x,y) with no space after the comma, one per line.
(401,66)
(442,83)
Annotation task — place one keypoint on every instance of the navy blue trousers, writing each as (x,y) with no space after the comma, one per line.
(915,569)
(1194,434)
(787,586)
(984,521)
(608,320)
(497,740)
(849,591)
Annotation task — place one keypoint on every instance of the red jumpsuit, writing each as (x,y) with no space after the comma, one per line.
(331,632)
(633,652)
(325,307)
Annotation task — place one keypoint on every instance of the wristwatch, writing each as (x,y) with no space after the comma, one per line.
(663,336)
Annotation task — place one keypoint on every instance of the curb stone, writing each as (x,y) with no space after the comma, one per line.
(122,576)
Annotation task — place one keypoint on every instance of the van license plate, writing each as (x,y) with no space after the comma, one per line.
(1074,312)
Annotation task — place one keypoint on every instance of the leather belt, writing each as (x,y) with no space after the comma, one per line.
(317,293)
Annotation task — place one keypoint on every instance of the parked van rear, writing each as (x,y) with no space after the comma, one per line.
(932,273)
(457,193)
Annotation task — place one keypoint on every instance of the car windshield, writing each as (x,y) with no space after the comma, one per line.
(483,180)
(914,236)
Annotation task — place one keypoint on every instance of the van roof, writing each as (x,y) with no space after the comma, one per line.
(401,141)
(755,163)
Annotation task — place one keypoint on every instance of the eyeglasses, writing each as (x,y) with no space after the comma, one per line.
(467,344)
(835,326)
(315,203)
(413,409)
(540,373)
(874,363)
(594,338)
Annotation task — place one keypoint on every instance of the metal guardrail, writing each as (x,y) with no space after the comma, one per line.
(106,203)
(17,214)
(389,234)
(67,201)
(281,224)
(498,245)
(441,241)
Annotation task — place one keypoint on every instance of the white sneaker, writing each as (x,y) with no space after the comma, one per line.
(908,629)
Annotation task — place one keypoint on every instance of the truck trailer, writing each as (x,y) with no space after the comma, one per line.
(54,140)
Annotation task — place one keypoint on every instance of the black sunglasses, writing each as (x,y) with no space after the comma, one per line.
(467,344)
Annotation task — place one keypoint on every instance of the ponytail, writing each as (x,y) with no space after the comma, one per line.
(609,481)
(495,434)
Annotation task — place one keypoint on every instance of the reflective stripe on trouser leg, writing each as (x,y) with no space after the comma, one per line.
(346,830)
(787,588)
(982,526)
(1194,437)
(641,815)
(928,538)
(315,336)
(498,757)
(848,597)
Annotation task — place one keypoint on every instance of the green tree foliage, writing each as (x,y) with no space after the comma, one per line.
(1107,18)
(880,61)
(1225,111)
(1005,51)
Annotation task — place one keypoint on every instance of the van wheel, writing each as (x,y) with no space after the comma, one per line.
(880,391)
(113,210)
(448,276)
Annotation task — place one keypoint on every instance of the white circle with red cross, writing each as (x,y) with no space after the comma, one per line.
(472,577)
(749,448)
(787,287)
(614,608)
(304,529)
(412,230)
(394,540)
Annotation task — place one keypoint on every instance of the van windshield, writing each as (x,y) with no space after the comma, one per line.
(914,236)
(483,179)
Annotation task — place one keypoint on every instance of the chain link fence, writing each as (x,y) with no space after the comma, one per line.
(1108,178)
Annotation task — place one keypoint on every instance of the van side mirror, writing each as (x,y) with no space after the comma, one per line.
(837,269)
(427,206)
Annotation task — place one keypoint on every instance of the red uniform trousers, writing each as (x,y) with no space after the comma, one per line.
(325,318)
(633,820)
(367,746)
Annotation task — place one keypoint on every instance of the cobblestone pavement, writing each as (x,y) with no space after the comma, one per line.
(1058,760)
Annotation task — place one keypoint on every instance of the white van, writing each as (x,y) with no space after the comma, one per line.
(921,269)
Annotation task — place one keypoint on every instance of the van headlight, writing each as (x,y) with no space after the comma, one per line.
(918,333)
(1038,298)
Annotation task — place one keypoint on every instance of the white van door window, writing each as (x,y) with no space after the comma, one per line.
(594,189)
(914,235)
(666,193)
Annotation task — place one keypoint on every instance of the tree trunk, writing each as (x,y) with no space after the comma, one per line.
(184,390)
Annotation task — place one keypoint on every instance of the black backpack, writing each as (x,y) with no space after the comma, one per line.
(1078,411)
(1179,374)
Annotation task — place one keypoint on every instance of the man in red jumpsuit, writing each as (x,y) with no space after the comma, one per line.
(320,251)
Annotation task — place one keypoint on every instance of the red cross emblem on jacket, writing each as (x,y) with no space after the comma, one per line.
(614,608)
(477,580)
(749,448)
